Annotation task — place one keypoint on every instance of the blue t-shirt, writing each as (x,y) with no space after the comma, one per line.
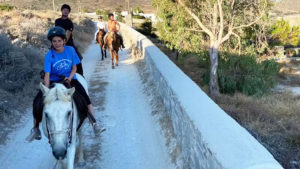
(60,63)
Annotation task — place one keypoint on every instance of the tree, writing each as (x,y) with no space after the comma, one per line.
(284,34)
(192,25)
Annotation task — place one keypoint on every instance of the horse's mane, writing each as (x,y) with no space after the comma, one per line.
(58,92)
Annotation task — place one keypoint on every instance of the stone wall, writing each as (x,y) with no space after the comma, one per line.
(206,137)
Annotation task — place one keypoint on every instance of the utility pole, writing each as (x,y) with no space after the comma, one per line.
(129,14)
(53,3)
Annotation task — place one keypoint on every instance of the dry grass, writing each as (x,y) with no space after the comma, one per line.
(287,7)
(273,119)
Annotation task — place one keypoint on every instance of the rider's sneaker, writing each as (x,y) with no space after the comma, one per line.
(97,129)
(123,46)
(34,134)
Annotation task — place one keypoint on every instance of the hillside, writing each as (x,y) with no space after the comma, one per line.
(287,7)
(80,5)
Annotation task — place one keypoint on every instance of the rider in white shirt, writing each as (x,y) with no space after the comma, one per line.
(101,24)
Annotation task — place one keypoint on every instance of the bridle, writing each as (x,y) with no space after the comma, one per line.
(69,130)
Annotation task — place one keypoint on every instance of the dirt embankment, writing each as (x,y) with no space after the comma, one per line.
(23,44)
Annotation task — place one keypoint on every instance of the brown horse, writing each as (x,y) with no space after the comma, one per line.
(113,42)
(100,39)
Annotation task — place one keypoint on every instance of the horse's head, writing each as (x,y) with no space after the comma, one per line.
(101,32)
(58,117)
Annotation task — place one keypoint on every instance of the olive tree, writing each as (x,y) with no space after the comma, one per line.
(192,25)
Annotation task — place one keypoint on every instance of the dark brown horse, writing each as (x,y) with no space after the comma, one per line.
(113,42)
(100,39)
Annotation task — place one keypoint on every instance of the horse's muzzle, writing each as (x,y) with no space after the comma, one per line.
(59,152)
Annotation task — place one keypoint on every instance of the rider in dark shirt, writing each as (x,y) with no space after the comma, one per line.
(67,24)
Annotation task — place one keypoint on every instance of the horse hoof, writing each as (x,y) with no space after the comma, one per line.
(81,164)
(112,67)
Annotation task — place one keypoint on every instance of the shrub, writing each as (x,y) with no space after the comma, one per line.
(18,66)
(283,34)
(103,13)
(138,17)
(137,10)
(243,73)
(146,27)
(6,7)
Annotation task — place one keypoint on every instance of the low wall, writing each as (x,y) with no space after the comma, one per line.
(207,136)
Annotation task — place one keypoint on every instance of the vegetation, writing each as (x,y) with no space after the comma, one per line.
(103,13)
(137,10)
(146,28)
(188,26)
(6,7)
(284,34)
(138,17)
(244,68)
(242,73)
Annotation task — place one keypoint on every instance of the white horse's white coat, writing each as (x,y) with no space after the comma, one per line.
(57,106)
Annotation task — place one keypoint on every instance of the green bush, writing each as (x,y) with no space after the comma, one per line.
(138,17)
(6,7)
(242,74)
(146,27)
(103,13)
(284,34)
(137,10)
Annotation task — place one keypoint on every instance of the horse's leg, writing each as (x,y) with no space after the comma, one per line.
(101,53)
(117,57)
(112,58)
(81,161)
(71,154)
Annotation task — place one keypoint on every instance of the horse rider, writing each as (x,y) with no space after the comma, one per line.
(61,60)
(101,25)
(65,22)
(113,26)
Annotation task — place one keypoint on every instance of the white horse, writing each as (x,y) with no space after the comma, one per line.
(60,121)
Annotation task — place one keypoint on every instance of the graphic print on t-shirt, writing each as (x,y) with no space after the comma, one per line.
(63,64)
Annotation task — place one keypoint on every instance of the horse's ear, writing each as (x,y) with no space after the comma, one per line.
(43,88)
(70,91)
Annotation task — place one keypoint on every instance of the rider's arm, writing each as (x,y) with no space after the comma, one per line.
(74,68)
(75,61)
(47,79)
(68,34)
(47,68)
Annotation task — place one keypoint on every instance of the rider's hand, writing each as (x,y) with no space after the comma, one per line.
(67,80)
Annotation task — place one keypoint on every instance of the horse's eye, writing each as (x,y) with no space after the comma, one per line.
(69,113)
